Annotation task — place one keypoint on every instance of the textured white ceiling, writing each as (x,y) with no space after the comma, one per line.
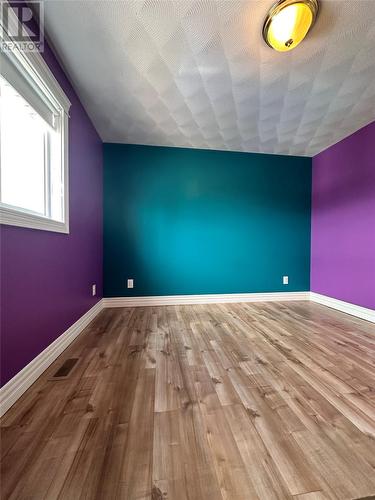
(198,74)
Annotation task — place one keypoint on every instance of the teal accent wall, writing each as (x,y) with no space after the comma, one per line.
(188,221)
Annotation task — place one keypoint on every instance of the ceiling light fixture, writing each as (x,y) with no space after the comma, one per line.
(288,22)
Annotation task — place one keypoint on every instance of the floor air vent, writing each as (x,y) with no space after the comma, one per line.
(65,369)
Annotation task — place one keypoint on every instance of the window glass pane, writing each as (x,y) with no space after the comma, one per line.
(23,138)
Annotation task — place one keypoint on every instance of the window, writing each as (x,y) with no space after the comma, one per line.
(33,147)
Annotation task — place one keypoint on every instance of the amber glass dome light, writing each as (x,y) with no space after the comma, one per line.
(288,22)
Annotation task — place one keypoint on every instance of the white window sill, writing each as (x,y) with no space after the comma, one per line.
(14,217)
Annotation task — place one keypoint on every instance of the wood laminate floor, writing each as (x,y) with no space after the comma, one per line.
(204,402)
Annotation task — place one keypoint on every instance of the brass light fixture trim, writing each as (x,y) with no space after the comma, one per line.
(288,22)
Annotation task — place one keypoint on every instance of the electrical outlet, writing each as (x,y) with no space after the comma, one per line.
(93,289)
(285,280)
(130,283)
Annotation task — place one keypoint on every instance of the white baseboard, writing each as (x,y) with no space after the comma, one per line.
(14,389)
(172,300)
(346,307)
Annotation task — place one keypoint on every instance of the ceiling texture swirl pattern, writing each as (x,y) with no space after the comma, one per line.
(198,73)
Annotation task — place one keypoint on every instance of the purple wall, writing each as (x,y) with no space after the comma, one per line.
(343,220)
(46,277)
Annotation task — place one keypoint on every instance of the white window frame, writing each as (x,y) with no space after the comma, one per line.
(35,70)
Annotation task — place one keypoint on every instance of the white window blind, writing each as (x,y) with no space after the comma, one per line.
(17,78)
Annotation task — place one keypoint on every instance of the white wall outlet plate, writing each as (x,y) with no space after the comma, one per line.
(93,290)
(130,283)
(285,280)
